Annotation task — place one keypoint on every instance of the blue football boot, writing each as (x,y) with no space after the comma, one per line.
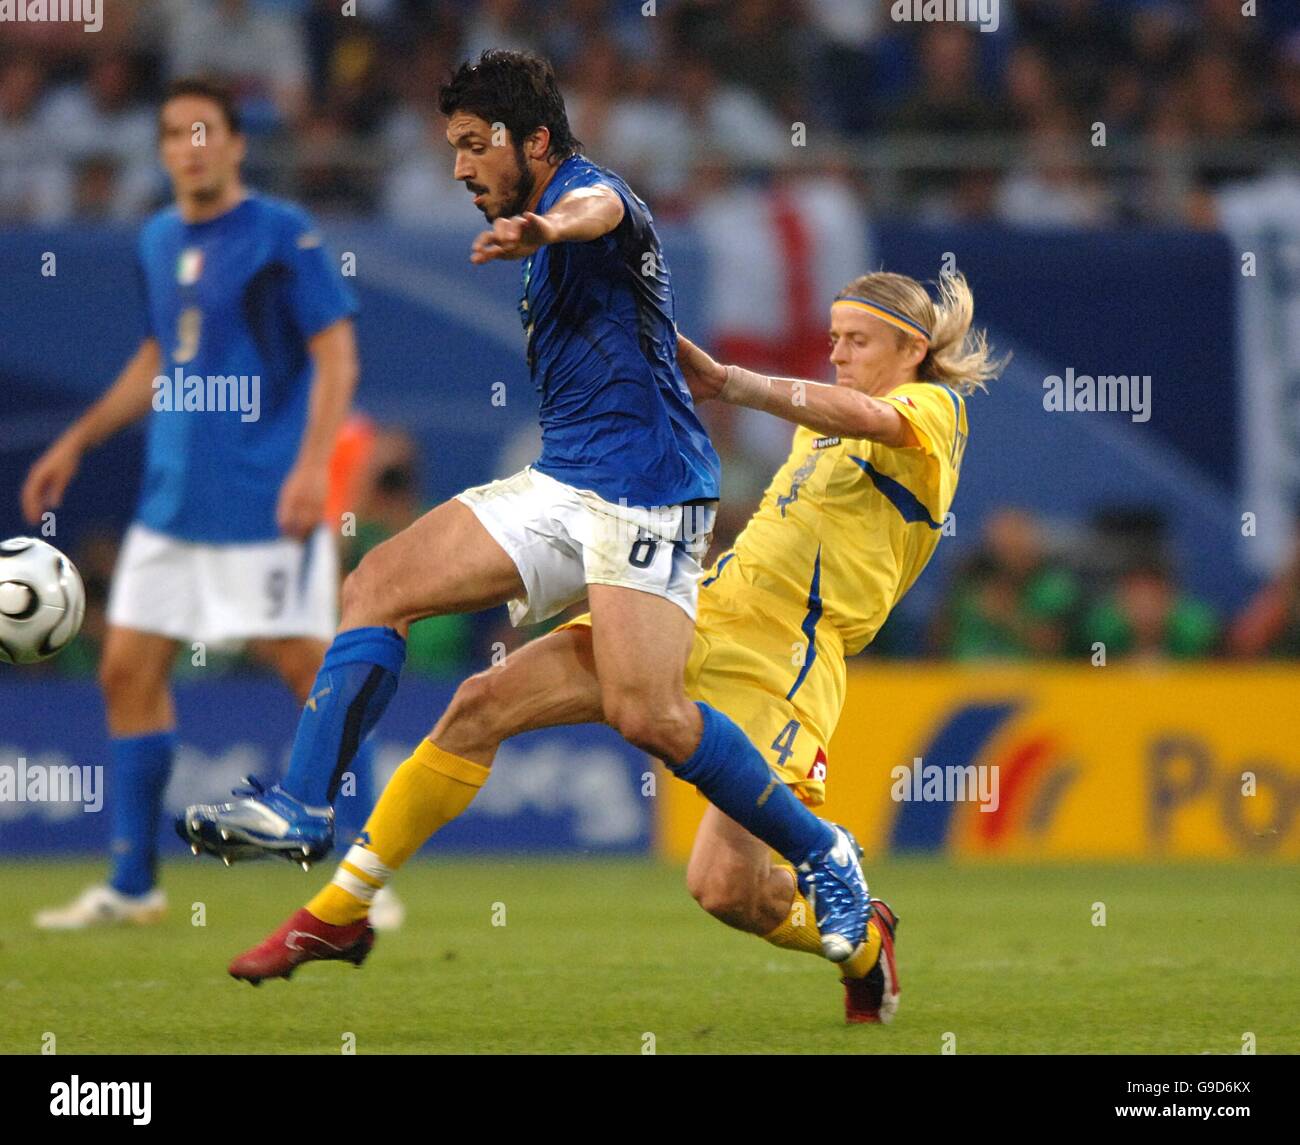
(262,821)
(833,883)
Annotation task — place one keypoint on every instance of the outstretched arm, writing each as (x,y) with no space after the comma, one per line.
(580,216)
(128,399)
(836,411)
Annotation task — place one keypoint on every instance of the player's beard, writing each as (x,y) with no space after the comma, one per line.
(522,191)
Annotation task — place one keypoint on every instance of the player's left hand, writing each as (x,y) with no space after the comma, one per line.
(513,238)
(302,501)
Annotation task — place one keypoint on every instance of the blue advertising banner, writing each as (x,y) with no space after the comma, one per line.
(561,789)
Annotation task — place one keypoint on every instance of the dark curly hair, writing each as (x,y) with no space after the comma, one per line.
(517,89)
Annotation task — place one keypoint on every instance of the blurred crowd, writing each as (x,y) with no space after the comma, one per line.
(941,119)
(1097,592)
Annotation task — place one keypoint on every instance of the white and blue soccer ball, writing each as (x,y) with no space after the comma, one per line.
(42,601)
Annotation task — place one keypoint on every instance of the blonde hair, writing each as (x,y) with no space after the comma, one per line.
(958,356)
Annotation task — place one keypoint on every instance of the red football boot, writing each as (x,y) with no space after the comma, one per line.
(875,997)
(304,938)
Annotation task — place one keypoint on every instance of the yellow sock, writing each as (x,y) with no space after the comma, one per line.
(864,958)
(799,932)
(427,792)
(799,929)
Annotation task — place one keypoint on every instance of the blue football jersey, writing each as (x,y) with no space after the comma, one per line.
(231,300)
(617,417)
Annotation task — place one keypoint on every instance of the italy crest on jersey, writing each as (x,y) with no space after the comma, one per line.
(189,266)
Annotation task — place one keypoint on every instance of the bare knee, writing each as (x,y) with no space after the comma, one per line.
(661,728)
(356,597)
(472,722)
(124,679)
(727,894)
(296,660)
(135,691)
(371,592)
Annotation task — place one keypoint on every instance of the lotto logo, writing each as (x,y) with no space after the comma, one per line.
(818,769)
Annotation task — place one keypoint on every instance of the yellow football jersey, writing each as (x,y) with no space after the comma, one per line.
(847,524)
(843,530)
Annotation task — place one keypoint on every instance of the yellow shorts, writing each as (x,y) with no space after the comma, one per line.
(753,661)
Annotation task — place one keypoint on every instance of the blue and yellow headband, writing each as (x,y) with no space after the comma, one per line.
(893,317)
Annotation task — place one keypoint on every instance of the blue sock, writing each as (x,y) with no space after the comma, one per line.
(141,768)
(355,682)
(351,812)
(735,778)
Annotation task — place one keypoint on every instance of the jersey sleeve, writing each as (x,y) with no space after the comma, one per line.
(318,295)
(635,228)
(636,215)
(934,413)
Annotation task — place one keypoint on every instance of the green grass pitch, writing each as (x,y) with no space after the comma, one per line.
(596,954)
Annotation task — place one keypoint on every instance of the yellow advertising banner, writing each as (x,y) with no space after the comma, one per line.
(1059,762)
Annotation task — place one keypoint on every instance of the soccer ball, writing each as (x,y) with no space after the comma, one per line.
(42,601)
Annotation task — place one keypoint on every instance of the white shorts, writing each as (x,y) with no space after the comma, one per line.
(225,594)
(562,539)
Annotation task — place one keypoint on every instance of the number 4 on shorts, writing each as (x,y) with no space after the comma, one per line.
(783,745)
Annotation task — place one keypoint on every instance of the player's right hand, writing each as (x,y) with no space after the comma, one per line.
(48,478)
(513,238)
(704,376)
